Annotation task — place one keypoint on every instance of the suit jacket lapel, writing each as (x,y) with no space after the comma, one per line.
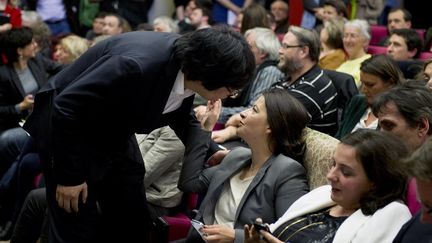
(16,81)
(216,189)
(256,180)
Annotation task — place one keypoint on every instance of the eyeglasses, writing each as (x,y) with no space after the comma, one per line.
(234,93)
(285,46)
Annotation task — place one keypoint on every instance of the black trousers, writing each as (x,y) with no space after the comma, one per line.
(115,210)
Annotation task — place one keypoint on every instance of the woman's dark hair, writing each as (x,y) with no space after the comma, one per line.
(218,57)
(384,68)
(287,118)
(14,39)
(254,16)
(380,154)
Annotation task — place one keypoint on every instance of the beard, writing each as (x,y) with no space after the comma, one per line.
(289,66)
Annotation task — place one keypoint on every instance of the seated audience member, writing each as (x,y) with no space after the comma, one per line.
(97,26)
(356,39)
(25,72)
(201,17)
(406,112)
(427,73)
(263,180)
(162,152)
(279,10)
(377,74)
(419,166)
(10,16)
(70,48)
(165,24)
(332,50)
(363,202)
(398,18)
(114,24)
(265,46)
(334,9)
(298,58)
(404,46)
(254,15)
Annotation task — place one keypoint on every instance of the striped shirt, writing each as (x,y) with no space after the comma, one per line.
(316,92)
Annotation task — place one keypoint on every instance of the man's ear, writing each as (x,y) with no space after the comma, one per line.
(412,53)
(423,127)
(304,51)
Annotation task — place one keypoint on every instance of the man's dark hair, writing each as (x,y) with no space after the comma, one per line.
(412,99)
(406,14)
(339,5)
(412,39)
(206,7)
(218,57)
(380,155)
(14,39)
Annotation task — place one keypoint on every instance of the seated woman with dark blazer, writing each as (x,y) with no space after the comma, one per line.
(261,181)
(363,202)
(25,72)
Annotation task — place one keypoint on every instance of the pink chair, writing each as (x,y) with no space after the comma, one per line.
(378,32)
(411,197)
(425,56)
(377,50)
(421,33)
(176,227)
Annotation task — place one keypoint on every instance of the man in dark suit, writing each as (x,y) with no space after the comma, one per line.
(85,119)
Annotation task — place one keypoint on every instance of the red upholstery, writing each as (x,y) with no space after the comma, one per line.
(295,12)
(377,50)
(178,226)
(411,197)
(421,33)
(425,56)
(378,32)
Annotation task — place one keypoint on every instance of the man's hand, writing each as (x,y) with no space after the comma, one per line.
(67,196)
(209,117)
(218,233)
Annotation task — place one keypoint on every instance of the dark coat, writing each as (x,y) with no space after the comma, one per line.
(84,118)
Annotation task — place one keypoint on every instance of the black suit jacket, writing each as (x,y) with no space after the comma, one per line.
(84,117)
(12,92)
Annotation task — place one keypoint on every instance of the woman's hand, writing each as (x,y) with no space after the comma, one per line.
(252,236)
(234,120)
(218,233)
(221,136)
(27,103)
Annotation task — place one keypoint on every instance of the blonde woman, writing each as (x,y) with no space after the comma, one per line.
(70,48)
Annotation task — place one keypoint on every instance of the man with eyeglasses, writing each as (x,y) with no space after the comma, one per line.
(298,58)
(84,122)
